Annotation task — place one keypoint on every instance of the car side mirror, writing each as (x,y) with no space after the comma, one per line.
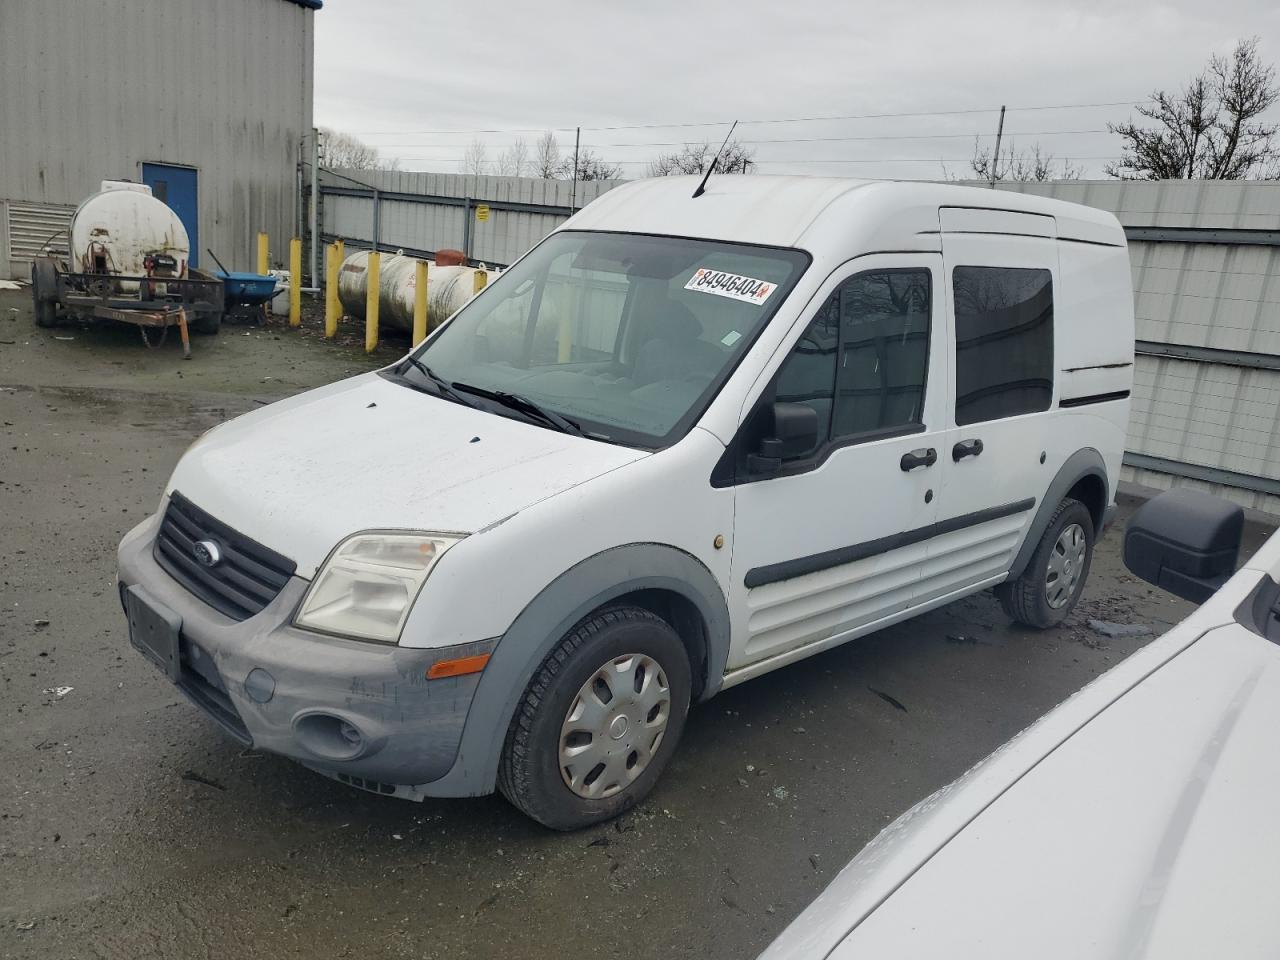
(1186,542)
(795,432)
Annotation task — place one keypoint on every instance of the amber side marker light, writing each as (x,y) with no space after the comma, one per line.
(457,668)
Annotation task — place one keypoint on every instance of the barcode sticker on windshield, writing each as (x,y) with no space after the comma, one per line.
(731,285)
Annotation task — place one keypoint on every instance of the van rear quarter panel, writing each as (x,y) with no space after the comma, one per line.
(1093,346)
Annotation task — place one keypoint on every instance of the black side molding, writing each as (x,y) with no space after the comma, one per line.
(1094,398)
(777,572)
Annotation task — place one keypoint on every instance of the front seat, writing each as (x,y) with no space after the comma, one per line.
(675,352)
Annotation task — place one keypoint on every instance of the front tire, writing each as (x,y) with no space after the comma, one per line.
(599,721)
(1054,578)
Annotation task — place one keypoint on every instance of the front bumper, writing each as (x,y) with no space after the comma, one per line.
(305,685)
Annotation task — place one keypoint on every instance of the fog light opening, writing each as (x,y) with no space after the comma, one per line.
(330,737)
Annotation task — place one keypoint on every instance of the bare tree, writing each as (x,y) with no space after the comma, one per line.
(546,157)
(342,150)
(476,159)
(514,160)
(1210,129)
(1015,164)
(696,157)
(591,166)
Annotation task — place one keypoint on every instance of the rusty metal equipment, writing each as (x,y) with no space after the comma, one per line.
(149,301)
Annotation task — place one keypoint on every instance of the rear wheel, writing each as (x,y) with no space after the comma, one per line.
(44,293)
(599,720)
(1051,584)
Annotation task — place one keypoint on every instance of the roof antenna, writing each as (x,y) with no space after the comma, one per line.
(702,187)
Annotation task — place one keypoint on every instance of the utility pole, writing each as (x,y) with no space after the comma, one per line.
(573,193)
(995,161)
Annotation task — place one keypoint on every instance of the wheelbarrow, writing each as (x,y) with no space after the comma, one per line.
(245,295)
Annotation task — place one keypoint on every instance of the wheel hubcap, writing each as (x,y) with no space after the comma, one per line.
(1066,563)
(614,726)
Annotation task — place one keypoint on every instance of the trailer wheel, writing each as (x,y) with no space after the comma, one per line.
(44,292)
(207,323)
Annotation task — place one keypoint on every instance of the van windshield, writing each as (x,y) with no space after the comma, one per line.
(628,336)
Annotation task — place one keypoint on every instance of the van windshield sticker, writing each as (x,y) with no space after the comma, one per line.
(730,338)
(731,285)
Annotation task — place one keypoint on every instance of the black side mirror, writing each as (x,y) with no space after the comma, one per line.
(795,432)
(1186,542)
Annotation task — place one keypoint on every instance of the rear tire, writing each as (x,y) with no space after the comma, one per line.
(44,293)
(1050,586)
(599,720)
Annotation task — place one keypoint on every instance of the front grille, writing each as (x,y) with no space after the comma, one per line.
(247,578)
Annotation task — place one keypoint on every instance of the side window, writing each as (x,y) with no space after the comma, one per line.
(884,351)
(808,375)
(1004,342)
(861,364)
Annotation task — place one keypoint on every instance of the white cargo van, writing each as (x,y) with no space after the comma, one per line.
(682,442)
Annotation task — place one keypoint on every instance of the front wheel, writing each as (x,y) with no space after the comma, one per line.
(599,720)
(1054,578)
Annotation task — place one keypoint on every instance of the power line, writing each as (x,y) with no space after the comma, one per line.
(877,137)
(717,123)
(616,163)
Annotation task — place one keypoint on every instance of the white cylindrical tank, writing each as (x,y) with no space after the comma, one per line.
(448,288)
(114,231)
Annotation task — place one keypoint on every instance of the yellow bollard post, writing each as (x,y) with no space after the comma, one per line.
(295,282)
(419,302)
(262,253)
(371,304)
(481,279)
(332,305)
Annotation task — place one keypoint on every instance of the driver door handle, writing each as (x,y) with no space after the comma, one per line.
(966,448)
(924,457)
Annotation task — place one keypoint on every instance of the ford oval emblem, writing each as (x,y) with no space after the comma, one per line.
(207,553)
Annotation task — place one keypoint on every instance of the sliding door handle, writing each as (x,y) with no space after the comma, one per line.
(966,448)
(924,457)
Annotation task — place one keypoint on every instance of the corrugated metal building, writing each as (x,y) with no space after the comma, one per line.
(207,100)
(421,212)
(1206,280)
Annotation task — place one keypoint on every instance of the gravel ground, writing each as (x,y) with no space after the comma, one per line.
(130,827)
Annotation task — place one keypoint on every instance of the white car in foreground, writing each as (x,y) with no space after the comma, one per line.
(1138,819)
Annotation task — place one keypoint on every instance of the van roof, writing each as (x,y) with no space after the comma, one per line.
(781,210)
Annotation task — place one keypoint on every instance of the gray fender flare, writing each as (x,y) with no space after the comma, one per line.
(544,622)
(1083,463)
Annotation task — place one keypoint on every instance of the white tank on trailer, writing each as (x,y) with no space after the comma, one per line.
(116,229)
(448,288)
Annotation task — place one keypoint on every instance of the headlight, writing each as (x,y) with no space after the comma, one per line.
(367,586)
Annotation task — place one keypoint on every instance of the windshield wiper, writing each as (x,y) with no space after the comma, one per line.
(443,385)
(515,401)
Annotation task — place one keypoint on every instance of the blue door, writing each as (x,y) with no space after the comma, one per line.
(176,186)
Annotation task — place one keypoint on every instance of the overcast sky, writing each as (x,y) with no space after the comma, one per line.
(397,73)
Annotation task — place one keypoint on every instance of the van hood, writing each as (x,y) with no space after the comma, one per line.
(302,474)
(1149,834)
(1134,820)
